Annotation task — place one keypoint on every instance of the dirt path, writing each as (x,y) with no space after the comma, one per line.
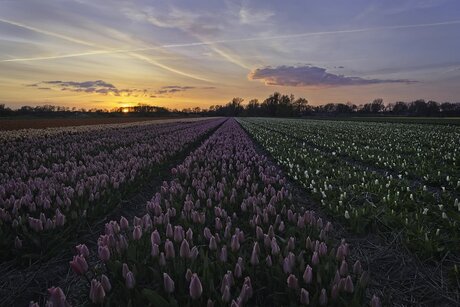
(19,286)
(398,276)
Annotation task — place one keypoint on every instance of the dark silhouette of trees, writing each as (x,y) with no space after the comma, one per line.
(275,105)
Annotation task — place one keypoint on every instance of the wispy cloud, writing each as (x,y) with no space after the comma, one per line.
(131,52)
(90,87)
(170,89)
(225,41)
(311,76)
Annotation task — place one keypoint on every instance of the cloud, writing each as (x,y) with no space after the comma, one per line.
(91,87)
(177,88)
(251,17)
(308,75)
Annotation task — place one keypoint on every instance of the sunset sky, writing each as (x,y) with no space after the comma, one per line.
(103,54)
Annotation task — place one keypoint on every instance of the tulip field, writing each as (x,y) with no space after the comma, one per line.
(404,176)
(225,226)
(52,181)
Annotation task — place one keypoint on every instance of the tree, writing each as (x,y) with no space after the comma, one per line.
(377,105)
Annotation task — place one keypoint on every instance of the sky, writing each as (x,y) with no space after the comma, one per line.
(178,54)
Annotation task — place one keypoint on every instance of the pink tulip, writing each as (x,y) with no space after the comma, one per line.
(308,275)
(292,282)
(375,302)
(304,297)
(137,233)
(96,292)
(223,256)
(168,283)
(79,265)
(195,289)
(323,298)
(155,250)
(178,234)
(212,243)
(226,296)
(235,244)
(188,275)
(343,268)
(105,282)
(155,238)
(104,253)
(124,224)
(315,259)
(82,250)
(349,285)
(57,297)
(124,270)
(130,281)
(334,292)
(170,253)
(254,256)
(238,272)
(184,251)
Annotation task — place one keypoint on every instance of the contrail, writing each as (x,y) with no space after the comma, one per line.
(70,39)
(205,43)
(96,52)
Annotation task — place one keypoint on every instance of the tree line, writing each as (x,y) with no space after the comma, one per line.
(276,105)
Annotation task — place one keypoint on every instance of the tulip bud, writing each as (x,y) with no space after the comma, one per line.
(375,302)
(194,252)
(155,250)
(343,268)
(349,285)
(57,297)
(323,298)
(82,250)
(292,282)
(162,259)
(124,224)
(79,265)
(195,288)
(170,253)
(223,254)
(155,238)
(104,253)
(168,283)
(130,281)
(137,233)
(315,259)
(96,292)
(238,272)
(189,235)
(308,275)
(304,297)
(105,282)
(235,244)
(254,257)
(169,231)
(184,251)
(212,243)
(334,292)
(226,296)
(188,275)
(268,261)
(124,270)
